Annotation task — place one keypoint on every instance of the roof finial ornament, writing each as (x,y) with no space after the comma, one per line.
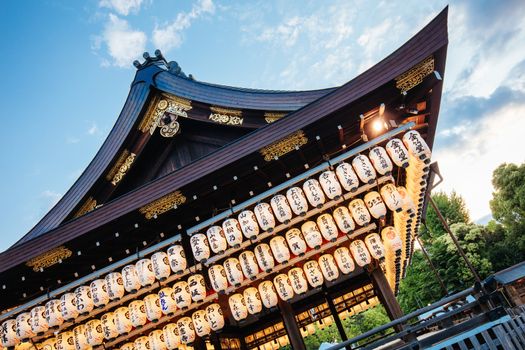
(159,60)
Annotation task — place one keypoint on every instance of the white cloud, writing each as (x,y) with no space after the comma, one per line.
(122,7)
(72,140)
(169,36)
(93,129)
(50,198)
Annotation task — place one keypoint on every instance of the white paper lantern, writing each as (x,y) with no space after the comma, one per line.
(156,340)
(344,260)
(66,341)
(280,250)
(167,301)
(364,169)
(79,337)
(249,265)
(186,330)
(215,316)
(182,295)
(391,197)
(122,320)
(130,278)
(48,344)
(381,161)
(343,219)
(128,346)
(391,239)
(281,208)
(248,223)
(347,177)
(283,285)
(416,145)
(312,235)
(268,294)
(142,343)
(171,336)
(330,185)
(397,152)
(200,247)
(263,213)
(115,285)
(253,300)
(200,323)
(360,253)
(297,200)
(233,233)
(314,193)
(145,272)
(38,320)
(298,280)
(152,307)
(359,212)
(23,326)
(108,325)
(328,267)
(68,305)
(94,333)
(232,266)
(327,226)
(216,239)
(54,313)
(375,246)
(313,273)
(375,204)
(99,293)
(137,313)
(161,265)
(218,279)
(197,287)
(8,333)
(177,258)
(264,257)
(296,241)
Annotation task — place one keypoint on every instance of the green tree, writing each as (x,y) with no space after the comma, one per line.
(453,209)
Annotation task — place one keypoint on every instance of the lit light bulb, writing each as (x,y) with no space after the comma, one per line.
(378,125)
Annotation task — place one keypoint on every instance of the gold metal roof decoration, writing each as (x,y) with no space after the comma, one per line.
(121,167)
(283,146)
(165,114)
(49,258)
(89,205)
(226,116)
(271,117)
(163,204)
(415,75)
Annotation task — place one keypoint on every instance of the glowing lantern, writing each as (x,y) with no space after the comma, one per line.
(182,295)
(375,204)
(38,320)
(416,145)
(283,285)
(253,300)
(264,215)
(392,198)
(200,247)
(177,259)
(314,193)
(83,300)
(232,266)
(360,253)
(108,326)
(137,313)
(161,265)
(297,200)
(145,272)
(310,328)
(233,233)
(152,307)
(249,266)
(328,267)
(330,185)
(268,294)
(397,152)
(375,246)
(298,280)
(94,333)
(264,257)
(215,317)
(381,161)
(344,260)
(248,223)
(23,326)
(327,226)
(8,333)
(216,239)
(218,279)
(347,177)
(343,219)
(279,249)
(296,242)
(156,340)
(68,306)
(167,301)
(48,344)
(359,212)
(115,285)
(186,330)
(130,278)
(391,239)
(312,235)
(54,313)
(364,169)
(79,337)
(200,323)
(99,292)
(313,273)
(171,336)
(66,341)
(197,287)
(128,346)
(142,343)
(281,208)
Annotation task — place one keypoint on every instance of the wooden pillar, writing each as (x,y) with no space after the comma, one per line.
(294,333)
(337,320)
(386,295)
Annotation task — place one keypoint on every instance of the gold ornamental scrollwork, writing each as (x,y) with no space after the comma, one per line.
(226,116)
(165,114)
(49,258)
(283,146)
(121,167)
(89,205)
(271,117)
(415,75)
(163,204)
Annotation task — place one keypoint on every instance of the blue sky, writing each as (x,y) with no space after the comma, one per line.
(67,65)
